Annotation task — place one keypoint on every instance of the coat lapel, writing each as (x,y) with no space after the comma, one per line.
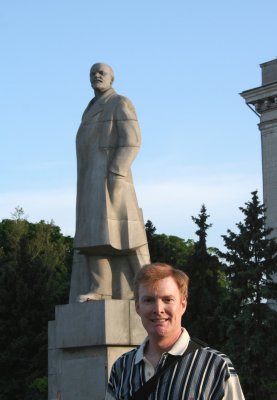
(98,105)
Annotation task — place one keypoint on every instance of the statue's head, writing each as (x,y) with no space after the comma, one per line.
(101,77)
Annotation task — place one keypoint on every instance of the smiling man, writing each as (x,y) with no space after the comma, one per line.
(169,365)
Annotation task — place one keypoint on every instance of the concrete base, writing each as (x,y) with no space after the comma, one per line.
(84,341)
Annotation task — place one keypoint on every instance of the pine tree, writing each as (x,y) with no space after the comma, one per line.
(251,259)
(207,288)
(150,229)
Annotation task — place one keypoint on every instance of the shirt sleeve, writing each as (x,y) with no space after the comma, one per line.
(110,392)
(233,389)
(109,396)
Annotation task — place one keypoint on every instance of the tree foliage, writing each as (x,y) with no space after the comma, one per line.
(228,303)
(167,248)
(251,259)
(207,287)
(35,263)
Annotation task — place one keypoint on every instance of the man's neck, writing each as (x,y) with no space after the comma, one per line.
(157,346)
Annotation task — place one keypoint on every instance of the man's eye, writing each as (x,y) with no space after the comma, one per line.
(169,300)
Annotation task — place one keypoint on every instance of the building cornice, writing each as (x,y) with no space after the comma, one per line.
(263,98)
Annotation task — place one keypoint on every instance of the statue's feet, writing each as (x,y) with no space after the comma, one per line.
(91,296)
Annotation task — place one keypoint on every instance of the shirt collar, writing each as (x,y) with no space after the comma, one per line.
(177,349)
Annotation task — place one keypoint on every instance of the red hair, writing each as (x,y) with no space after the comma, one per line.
(150,274)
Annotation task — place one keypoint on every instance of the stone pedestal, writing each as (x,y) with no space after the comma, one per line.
(84,341)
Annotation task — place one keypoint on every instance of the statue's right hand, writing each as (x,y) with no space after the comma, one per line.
(115,187)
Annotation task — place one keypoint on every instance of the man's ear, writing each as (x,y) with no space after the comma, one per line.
(184,305)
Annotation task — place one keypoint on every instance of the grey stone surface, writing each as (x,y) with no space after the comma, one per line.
(51,335)
(137,332)
(84,341)
(84,373)
(97,323)
(110,230)
(269,72)
(80,279)
(54,362)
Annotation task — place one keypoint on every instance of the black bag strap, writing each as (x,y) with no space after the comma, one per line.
(144,391)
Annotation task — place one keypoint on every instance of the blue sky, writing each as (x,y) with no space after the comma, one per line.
(183,65)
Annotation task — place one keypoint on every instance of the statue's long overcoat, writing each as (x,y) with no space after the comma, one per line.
(107,141)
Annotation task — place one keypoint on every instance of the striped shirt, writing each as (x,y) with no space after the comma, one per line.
(205,374)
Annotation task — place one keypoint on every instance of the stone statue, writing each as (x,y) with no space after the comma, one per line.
(109,224)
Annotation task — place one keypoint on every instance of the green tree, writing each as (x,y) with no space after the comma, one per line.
(251,259)
(207,288)
(167,248)
(150,229)
(35,263)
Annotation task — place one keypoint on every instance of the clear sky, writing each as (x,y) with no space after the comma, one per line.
(183,65)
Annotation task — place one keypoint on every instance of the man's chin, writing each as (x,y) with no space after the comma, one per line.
(161,334)
(161,331)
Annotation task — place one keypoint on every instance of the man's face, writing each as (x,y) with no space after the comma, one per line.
(161,308)
(101,77)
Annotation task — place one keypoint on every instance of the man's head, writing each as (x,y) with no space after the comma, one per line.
(161,300)
(101,77)
(150,274)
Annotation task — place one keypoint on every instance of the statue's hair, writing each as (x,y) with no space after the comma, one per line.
(150,274)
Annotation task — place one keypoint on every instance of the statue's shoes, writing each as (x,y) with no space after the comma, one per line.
(91,296)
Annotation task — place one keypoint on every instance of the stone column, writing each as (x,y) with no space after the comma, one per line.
(263,101)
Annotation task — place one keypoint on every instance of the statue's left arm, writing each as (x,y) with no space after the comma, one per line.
(128,138)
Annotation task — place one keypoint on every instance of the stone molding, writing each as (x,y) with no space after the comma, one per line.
(265,104)
(263,98)
(268,127)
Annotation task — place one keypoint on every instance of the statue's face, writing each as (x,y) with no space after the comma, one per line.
(101,77)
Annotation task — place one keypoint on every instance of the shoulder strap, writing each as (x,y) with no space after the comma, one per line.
(144,391)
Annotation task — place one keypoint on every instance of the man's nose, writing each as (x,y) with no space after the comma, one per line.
(158,306)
